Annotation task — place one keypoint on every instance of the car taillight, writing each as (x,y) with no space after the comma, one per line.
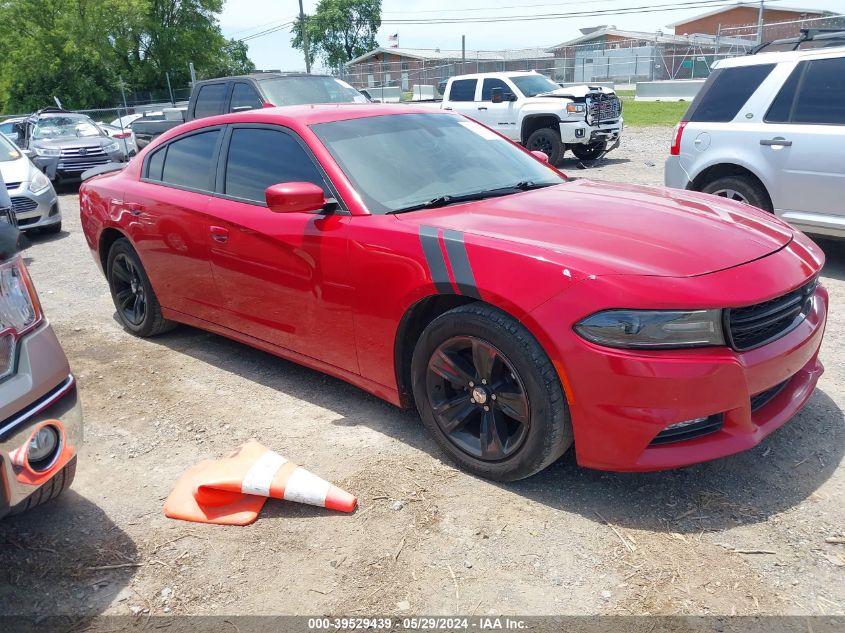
(122,135)
(20,309)
(676,141)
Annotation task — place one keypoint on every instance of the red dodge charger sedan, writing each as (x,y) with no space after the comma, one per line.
(430,261)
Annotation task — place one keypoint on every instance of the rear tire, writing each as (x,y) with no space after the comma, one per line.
(134,299)
(740,189)
(546,140)
(49,491)
(588,152)
(525,425)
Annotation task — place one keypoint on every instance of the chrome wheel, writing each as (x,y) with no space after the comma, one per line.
(477,398)
(731,194)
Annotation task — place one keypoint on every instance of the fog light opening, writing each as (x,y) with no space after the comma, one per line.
(44,448)
(689,429)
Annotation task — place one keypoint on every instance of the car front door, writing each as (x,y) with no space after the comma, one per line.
(802,140)
(284,277)
(499,116)
(165,214)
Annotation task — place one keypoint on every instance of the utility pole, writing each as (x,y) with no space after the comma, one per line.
(169,89)
(123,92)
(760,22)
(304,38)
(463,53)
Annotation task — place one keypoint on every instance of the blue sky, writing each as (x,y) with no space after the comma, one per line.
(244,17)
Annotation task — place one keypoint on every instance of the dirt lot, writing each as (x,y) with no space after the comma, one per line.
(567,541)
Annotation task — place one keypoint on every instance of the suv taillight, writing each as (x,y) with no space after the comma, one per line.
(676,141)
(20,310)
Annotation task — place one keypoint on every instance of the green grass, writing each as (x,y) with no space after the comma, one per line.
(643,113)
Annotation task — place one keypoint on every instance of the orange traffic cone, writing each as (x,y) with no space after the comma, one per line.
(232,490)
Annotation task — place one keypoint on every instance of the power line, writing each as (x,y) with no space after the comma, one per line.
(643,9)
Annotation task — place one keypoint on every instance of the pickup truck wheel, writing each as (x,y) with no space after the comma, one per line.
(740,189)
(489,394)
(49,491)
(546,140)
(588,152)
(137,305)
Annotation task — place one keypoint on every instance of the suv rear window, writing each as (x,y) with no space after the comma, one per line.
(725,92)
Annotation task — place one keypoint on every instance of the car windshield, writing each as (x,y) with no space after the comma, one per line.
(532,85)
(8,151)
(298,90)
(405,161)
(69,126)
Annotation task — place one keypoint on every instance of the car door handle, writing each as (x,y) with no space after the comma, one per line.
(482,107)
(447,108)
(220,234)
(776,142)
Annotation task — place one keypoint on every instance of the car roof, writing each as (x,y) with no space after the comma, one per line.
(781,56)
(507,73)
(263,76)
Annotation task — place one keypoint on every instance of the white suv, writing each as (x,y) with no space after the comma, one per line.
(769,129)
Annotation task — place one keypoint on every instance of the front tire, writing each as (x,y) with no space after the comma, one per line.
(489,394)
(740,189)
(546,140)
(134,299)
(588,152)
(60,482)
(52,229)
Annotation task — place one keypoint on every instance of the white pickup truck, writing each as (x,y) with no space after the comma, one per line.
(531,109)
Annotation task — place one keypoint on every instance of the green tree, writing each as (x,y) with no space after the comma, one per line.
(340,30)
(78,50)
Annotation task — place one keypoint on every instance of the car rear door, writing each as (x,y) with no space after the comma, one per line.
(802,140)
(284,277)
(165,215)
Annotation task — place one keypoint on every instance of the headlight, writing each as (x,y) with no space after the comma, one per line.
(47,151)
(653,329)
(19,309)
(39,182)
(576,108)
(111,147)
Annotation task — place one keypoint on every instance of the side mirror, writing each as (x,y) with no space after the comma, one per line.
(541,155)
(294,197)
(509,96)
(496,95)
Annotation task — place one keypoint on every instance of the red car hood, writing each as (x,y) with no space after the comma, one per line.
(620,229)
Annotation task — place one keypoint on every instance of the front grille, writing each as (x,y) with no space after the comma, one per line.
(74,152)
(603,108)
(12,185)
(760,400)
(22,205)
(79,159)
(704,427)
(7,217)
(27,221)
(756,325)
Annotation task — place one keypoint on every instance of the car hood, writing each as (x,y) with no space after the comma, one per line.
(605,228)
(89,141)
(570,92)
(16,170)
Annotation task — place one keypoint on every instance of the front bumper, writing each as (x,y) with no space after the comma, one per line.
(62,404)
(63,169)
(620,400)
(35,210)
(580,132)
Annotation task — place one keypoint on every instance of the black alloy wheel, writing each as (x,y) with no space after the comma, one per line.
(129,290)
(478,399)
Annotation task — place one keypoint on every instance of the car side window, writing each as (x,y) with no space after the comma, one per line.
(725,92)
(243,97)
(260,157)
(155,163)
(489,84)
(187,162)
(781,109)
(210,100)
(822,93)
(463,90)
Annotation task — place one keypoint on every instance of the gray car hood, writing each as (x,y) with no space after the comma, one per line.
(18,170)
(83,141)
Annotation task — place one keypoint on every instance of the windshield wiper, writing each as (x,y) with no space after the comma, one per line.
(442,201)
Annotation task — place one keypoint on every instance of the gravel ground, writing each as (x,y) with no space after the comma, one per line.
(567,541)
